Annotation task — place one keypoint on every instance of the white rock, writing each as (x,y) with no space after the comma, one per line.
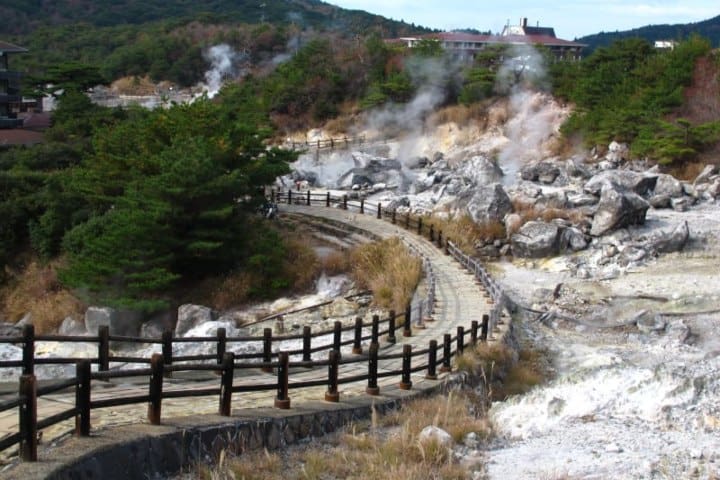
(433,433)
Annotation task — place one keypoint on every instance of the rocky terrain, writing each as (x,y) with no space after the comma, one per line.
(614,267)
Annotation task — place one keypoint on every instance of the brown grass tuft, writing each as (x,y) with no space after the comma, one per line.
(687,171)
(459,114)
(465,233)
(529,212)
(388,453)
(37,291)
(336,263)
(232,290)
(389,270)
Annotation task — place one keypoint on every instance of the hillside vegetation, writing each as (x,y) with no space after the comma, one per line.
(25,16)
(132,205)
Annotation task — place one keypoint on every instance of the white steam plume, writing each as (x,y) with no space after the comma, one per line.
(533,115)
(432,77)
(223,66)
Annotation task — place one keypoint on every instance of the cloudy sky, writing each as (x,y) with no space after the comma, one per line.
(571,19)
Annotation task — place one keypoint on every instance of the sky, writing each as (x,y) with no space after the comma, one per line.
(571,19)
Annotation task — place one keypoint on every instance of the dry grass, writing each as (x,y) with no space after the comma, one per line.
(134,86)
(336,263)
(385,450)
(514,377)
(37,291)
(389,270)
(459,114)
(465,233)
(529,371)
(529,212)
(687,171)
(232,290)
(301,265)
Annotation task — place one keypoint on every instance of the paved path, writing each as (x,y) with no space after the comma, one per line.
(459,300)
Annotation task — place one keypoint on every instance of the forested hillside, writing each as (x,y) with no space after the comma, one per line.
(130,206)
(24,16)
(709,29)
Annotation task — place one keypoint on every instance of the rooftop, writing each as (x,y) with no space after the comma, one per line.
(6,47)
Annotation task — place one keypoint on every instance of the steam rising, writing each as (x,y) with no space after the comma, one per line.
(432,76)
(532,118)
(223,66)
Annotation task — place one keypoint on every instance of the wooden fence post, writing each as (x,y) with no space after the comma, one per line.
(432,361)
(289,196)
(391,328)
(379,211)
(357,340)
(221,345)
(308,198)
(337,336)
(157,364)
(407,330)
(405,382)
(332,394)
(474,332)
(104,348)
(282,401)
(226,384)
(28,418)
(446,365)
(372,386)
(362,205)
(375,330)
(344,202)
(167,351)
(82,398)
(485,326)
(267,349)
(327,199)
(28,350)
(307,342)
(394,219)
(460,340)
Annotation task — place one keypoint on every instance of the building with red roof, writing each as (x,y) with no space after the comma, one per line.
(466,45)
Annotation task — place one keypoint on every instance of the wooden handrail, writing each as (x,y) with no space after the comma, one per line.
(225,363)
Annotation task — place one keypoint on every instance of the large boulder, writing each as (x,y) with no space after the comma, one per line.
(621,180)
(536,240)
(480,170)
(618,209)
(543,172)
(668,185)
(673,241)
(121,322)
(572,239)
(705,175)
(486,204)
(190,316)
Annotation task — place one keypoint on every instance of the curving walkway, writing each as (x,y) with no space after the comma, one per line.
(459,299)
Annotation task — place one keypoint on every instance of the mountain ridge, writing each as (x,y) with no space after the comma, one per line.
(709,29)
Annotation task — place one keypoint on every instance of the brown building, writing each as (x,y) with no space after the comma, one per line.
(10,98)
(465,45)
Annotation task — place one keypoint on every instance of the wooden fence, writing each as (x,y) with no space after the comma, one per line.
(501,301)
(326,144)
(224,363)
